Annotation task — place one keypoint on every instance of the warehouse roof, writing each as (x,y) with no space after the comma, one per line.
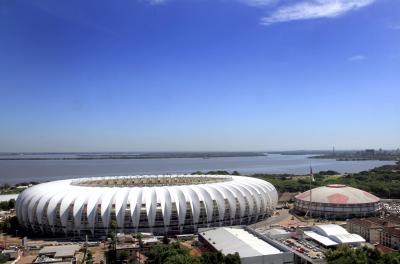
(60,251)
(230,240)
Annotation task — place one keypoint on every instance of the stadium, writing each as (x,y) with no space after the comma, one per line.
(337,201)
(160,204)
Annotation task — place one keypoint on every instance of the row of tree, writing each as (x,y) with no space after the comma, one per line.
(174,254)
(347,255)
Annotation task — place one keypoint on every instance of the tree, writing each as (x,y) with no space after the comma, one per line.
(113,225)
(123,256)
(89,257)
(182,259)
(159,253)
(212,258)
(219,258)
(232,259)
(165,240)
(11,204)
(9,225)
(174,254)
(347,255)
(2,258)
(139,237)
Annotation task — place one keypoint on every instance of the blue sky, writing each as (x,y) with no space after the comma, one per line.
(185,75)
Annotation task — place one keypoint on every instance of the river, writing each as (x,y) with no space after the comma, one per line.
(16,171)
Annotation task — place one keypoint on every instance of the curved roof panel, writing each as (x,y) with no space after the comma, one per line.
(90,203)
(337,194)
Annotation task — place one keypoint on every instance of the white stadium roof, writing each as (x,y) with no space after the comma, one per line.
(47,205)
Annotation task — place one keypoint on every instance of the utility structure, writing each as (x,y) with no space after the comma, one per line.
(311,180)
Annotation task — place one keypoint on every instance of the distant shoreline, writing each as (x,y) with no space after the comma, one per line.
(106,156)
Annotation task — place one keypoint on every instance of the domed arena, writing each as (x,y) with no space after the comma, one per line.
(160,204)
(337,201)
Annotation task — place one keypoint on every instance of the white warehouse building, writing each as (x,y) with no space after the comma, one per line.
(161,204)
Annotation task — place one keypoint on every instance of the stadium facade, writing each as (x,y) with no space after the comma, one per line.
(161,204)
(337,201)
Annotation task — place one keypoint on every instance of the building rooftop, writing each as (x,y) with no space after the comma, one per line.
(63,251)
(330,229)
(364,222)
(393,230)
(337,234)
(376,222)
(323,240)
(276,232)
(348,238)
(287,196)
(383,249)
(338,194)
(121,246)
(230,240)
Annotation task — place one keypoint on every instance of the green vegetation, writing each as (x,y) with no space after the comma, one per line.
(347,255)
(17,188)
(370,154)
(219,172)
(382,181)
(89,257)
(123,256)
(174,254)
(9,225)
(218,257)
(165,240)
(2,258)
(7,205)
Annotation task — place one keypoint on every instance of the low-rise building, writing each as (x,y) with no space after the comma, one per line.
(277,233)
(337,234)
(127,252)
(328,235)
(251,249)
(57,254)
(385,231)
(390,237)
(10,254)
(368,228)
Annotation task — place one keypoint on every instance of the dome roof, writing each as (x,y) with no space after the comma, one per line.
(338,194)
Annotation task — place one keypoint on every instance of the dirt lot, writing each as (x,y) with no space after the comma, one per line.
(194,251)
(28,259)
(7,240)
(98,253)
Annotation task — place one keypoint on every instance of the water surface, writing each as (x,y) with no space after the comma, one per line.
(15,171)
